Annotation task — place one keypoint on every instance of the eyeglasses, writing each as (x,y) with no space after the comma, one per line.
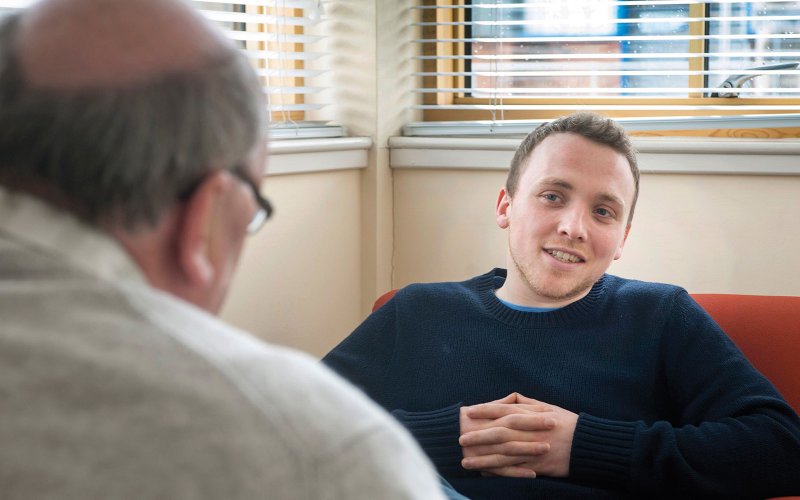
(264,211)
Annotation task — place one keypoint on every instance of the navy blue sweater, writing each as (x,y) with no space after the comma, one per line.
(668,405)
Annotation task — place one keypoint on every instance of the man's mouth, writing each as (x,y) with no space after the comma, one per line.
(564,256)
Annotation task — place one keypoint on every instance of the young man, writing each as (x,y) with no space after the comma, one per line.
(131,148)
(592,384)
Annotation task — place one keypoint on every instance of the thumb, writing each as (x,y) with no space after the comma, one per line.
(527,401)
(510,399)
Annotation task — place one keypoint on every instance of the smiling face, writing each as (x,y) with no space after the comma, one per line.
(567,220)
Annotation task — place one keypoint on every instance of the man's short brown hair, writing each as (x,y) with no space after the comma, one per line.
(592,126)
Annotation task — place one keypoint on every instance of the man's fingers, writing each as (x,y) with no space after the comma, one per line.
(498,435)
(527,422)
(497,410)
(526,400)
(496,464)
(510,471)
(490,410)
(521,449)
(523,422)
(511,398)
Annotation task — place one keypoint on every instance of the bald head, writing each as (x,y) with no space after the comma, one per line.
(80,44)
(115,109)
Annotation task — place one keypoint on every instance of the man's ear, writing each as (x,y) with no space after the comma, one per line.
(501,210)
(618,253)
(195,233)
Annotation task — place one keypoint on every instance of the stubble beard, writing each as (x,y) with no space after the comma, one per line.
(550,292)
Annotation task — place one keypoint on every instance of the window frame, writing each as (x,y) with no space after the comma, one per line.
(432,97)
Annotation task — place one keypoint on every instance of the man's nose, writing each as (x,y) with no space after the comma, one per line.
(573,223)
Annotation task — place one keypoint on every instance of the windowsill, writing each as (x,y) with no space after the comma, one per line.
(301,156)
(663,155)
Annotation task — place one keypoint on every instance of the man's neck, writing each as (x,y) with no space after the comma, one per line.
(520,294)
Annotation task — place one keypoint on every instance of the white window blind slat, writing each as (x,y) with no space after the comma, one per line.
(610,107)
(275,55)
(294,90)
(299,4)
(640,20)
(558,73)
(547,3)
(289,73)
(237,17)
(614,38)
(256,36)
(660,55)
(660,92)
(296,107)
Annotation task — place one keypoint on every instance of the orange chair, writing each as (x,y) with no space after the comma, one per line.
(766,329)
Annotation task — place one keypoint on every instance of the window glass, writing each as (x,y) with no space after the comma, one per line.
(767,36)
(605,48)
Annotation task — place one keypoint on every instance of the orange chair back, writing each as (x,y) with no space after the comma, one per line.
(383,299)
(767,330)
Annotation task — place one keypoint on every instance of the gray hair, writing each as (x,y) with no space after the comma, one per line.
(125,155)
(592,126)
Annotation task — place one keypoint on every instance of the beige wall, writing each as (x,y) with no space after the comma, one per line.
(717,233)
(708,233)
(299,280)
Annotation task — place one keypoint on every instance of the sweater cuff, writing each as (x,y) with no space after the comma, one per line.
(437,432)
(602,451)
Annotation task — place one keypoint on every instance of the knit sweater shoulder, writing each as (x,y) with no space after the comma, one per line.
(668,405)
(113,389)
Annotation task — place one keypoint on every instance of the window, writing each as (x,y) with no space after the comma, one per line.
(504,60)
(276,36)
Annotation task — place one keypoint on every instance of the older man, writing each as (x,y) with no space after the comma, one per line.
(131,149)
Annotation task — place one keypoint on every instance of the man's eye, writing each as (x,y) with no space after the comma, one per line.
(550,197)
(604,212)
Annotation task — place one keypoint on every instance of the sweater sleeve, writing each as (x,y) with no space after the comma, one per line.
(437,432)
(364,357)
(731,434)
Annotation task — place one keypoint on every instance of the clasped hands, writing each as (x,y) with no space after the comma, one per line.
(517,436)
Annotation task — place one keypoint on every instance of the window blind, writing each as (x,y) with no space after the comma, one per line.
(279,39)
(501,59)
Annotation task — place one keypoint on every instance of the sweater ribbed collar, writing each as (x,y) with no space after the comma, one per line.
(580,311)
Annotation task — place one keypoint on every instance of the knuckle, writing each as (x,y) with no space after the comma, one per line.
(518,420)
(515,447)
(497,433)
